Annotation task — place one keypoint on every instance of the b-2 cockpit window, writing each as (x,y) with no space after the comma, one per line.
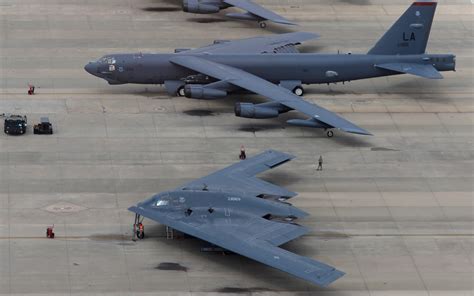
(161,203)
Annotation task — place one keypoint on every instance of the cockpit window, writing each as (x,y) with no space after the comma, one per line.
(107,60)
(161,203)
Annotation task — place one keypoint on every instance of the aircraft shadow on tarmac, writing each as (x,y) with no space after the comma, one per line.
(160,9)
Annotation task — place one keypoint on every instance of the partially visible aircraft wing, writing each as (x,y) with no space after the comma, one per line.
(259,11)
(267,89)
(425,71)
(255,238)
(276,43)
(240,177)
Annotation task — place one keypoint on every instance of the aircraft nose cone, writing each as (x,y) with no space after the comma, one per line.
(91,68)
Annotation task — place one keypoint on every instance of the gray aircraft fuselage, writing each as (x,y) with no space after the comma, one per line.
(222,205)
(308,68)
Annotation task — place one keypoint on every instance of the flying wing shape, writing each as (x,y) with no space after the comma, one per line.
(259,11)
(240,177)
(277,43)
(425,71)
(248,81)
(238,225)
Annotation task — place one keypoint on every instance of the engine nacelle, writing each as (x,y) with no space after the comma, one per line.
(200,6)
(249,110)
(197,91)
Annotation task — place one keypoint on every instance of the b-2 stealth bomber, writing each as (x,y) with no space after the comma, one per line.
(271,66)
(236,211)
(254,12)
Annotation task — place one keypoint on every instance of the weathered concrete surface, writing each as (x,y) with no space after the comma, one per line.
(393,211)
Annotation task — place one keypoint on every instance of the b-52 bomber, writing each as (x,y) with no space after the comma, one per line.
(254,12)
(236,211)
(272,66)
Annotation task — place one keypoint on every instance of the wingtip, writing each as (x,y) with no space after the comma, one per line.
(285,22)
(358,131)
(330,277)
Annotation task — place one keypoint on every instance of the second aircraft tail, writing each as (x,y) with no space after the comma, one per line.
(410,33)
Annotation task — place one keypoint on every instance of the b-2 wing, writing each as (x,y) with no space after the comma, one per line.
(241,232)
(240,177)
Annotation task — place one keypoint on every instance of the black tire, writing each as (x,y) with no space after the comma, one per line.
(330,134)
(299,91)
(141,235)
(263,25)
(180,92)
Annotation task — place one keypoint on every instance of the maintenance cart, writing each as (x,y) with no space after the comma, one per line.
(44,127)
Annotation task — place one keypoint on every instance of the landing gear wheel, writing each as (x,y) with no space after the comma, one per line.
(263,25)
(140,234)
(330,134)
(299,91)
(180,92)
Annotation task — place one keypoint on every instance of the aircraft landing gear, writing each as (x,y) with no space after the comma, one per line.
(138,228)
(263,25)
(180,92)
(330,134)
(299,91)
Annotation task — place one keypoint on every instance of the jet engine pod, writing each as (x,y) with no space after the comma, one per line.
(196,6)
(249,110)
(197,91)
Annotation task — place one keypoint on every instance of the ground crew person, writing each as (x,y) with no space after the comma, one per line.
(141,231)
(242,155)
(31,90)
(320,163)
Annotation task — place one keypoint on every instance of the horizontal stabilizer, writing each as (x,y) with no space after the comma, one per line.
(425,71)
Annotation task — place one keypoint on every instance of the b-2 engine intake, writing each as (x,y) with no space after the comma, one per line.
(200,6)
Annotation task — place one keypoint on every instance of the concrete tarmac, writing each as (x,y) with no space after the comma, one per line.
(394,211)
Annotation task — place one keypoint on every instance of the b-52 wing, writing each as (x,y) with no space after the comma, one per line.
(259,11)
(276,43)
(255,84)
(240,177)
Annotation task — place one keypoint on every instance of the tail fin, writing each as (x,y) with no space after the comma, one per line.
(409,35)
